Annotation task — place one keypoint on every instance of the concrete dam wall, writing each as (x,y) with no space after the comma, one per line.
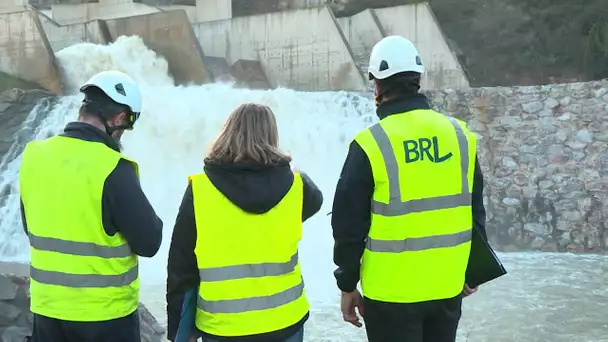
(306,49)
(25,51)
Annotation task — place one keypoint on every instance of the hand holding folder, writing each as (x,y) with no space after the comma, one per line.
(484,266)
(186,323)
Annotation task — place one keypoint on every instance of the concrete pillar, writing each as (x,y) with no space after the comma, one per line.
(113,2)
(13,3)
(210,10)
(10,6)
(298,4)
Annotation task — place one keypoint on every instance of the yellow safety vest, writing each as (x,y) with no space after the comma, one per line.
(78,272)
(421,222)
(248,264)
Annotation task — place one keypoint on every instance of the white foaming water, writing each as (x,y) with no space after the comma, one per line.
(545,297)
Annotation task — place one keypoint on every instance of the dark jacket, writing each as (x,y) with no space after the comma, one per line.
(125,207)
(253,188)
(351,208)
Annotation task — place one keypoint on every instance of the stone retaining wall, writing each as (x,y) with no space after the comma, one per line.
(16,318)
(544,154)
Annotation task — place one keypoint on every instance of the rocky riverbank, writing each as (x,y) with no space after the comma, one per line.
(15,106)
(16,318)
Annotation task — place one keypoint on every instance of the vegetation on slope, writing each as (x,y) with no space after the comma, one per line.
(507,42)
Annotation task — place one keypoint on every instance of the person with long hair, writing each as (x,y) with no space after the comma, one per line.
(236,237)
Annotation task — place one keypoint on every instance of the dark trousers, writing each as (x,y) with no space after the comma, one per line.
(125,329)
(434,321)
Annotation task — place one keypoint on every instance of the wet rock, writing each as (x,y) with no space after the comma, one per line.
(151,331)
(8,313)
(564,239)
(574,248)
(511,201)
(8,289)
(532,107)
(551,103)
(510,248)
(15,334)
(15,105)
(520,178)
(550,247)
(584,136)
(537,229)
(572,216)
(16,319)
(599,92)
(537,243)
(509,163)
(593,242)
(576,145)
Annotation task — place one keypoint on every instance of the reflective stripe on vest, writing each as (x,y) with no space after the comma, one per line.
(396,207)
(84,280)
(78,248)
(82,249)
(250,271)
(252,303)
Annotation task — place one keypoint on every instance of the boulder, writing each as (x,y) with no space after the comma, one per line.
(15,107)
(16,318)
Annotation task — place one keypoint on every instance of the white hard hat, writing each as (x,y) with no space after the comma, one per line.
(118,86)
(392,55)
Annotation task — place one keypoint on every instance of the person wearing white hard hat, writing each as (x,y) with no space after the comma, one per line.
(409,195)
(88,220)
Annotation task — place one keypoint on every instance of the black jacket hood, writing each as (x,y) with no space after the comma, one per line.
(254,188)
(402,105)
(88,132)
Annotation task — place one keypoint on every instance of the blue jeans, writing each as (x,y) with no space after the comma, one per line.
(297,337)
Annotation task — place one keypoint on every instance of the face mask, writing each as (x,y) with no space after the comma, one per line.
(376,95)
(118,142)
(117,137)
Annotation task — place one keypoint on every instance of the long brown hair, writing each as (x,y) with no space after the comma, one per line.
(249,135)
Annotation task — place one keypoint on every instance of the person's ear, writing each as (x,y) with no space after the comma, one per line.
(119,119)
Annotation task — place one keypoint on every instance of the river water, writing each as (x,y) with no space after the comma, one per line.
(545,297)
